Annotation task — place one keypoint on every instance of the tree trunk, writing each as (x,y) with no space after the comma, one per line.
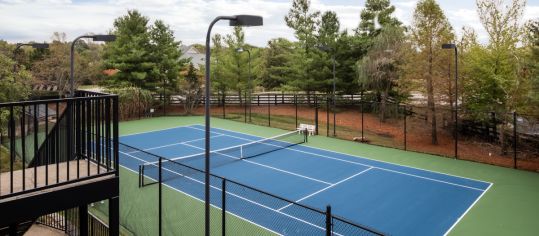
(240,97)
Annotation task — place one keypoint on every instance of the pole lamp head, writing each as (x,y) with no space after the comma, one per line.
(103,37)
(246,20)
(40,45)
(448,46)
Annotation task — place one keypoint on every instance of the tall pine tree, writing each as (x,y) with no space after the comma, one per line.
(376,12)
(131,53)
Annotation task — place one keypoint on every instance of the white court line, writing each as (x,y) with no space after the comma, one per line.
(467,210)
(270,167)
(174,144)
(326,188)
(232,194)
(157,130)
(346,154)
(356,163)
(180,191)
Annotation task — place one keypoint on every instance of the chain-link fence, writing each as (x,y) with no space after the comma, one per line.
(236,209)
(480,136)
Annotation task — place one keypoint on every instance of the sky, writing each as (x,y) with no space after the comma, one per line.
(36,20)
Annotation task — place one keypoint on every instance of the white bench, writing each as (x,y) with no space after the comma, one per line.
(311,129)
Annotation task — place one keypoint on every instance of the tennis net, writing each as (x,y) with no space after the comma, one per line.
(228,155)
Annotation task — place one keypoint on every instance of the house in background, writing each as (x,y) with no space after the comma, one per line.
(197,56)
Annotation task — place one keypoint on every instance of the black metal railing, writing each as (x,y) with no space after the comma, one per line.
(47,143)
(242,200)
(68,221)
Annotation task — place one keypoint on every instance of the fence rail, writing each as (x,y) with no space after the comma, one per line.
(48,143)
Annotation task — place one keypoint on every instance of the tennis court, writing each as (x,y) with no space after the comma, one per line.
(393,199)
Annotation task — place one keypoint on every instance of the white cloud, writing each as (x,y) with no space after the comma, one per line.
(25,20)
(532,12)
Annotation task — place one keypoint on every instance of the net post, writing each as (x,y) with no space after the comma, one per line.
(140,176)
(328,221)
(223,210)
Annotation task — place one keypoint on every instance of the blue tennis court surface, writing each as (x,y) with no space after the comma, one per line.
(393,199)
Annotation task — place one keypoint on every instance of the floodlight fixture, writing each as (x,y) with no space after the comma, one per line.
(33,45)
(448,45)
(246,20)
(104,37)
(99,38)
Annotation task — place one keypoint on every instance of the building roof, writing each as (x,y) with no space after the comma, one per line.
(197,58)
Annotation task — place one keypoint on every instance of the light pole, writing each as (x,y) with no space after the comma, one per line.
(237,20)
(100,38)
(328,49)
(33,45)
(454,46)
(249,85)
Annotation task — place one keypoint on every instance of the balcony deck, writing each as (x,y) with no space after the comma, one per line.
(57,173)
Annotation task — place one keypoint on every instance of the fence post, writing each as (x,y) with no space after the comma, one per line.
(327,116)
(65,222)
(494,129)
(405,118)
(224,106)
(245,108)
(316,115)
(269,112)
(223,212)
(83,220)
(362,118)
(160,194)
(334,101)
(296,105)
(328,221)
(456,132)
(515,140)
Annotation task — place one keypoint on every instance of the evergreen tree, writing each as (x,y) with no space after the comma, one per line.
(322,60)
(304,22)
(166,56)
(376,12)
(275,63)
(131,53)
(235,63)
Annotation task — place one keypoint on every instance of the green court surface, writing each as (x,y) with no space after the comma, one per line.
(510,207)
